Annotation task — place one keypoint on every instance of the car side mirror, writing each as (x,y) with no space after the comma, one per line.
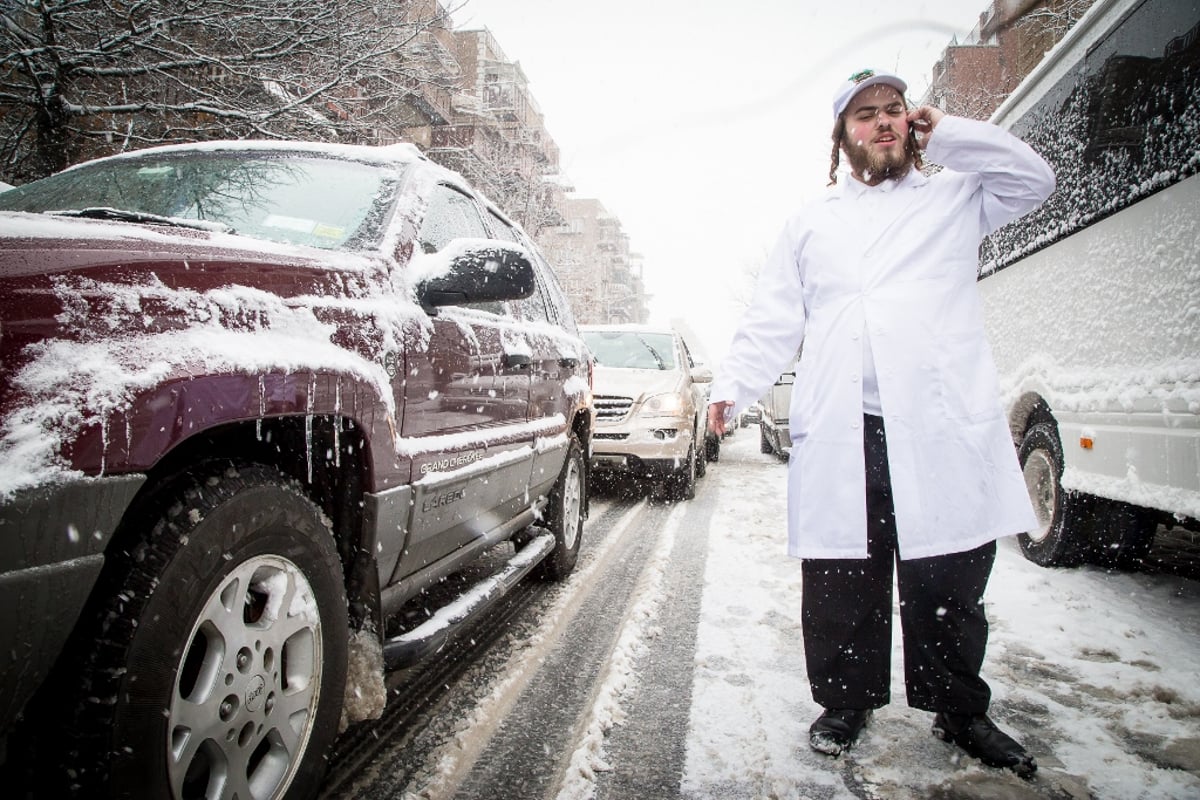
(480,271)
(702,374)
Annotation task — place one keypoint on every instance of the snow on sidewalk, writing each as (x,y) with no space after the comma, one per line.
(1095,672)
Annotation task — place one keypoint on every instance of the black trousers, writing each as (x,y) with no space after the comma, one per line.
(847,614)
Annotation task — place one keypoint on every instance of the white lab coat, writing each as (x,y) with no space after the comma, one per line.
(896,263)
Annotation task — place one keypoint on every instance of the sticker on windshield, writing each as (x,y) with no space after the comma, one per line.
(328,231)
(290,223)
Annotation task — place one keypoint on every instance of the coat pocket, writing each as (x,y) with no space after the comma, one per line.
(970,389)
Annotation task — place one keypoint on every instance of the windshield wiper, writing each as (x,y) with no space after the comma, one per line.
(657,358)
(121,215)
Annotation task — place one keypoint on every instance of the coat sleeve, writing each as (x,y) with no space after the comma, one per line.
(770,332)
(1014,179)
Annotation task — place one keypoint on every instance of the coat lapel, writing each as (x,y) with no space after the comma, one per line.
(889,209)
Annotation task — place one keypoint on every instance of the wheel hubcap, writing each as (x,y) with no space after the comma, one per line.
(246,686)
(572,504)
(1042,485)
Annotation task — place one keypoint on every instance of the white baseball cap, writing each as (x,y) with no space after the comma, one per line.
(861,80)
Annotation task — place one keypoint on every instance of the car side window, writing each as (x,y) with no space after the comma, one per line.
(503,229)
(532,307)
(450,215)
(560,306)
(687,354)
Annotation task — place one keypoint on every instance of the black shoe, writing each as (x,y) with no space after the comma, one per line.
(836,729)
(980,738)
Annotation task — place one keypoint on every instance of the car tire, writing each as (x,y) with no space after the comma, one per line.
(565,515)
(198,682)
(764,441)
(712,446)
(682,484)
(702,463)
(1066,519)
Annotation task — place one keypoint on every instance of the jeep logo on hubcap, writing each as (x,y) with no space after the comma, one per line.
(255,692)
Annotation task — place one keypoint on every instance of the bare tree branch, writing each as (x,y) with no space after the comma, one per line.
(80,78)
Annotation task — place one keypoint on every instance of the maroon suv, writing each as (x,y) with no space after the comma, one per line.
(255,398)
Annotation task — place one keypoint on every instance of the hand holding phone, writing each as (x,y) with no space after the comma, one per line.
(921,122)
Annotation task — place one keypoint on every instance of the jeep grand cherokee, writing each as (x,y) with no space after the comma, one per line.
(255,398)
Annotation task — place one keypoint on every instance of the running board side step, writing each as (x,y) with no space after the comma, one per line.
(432,634)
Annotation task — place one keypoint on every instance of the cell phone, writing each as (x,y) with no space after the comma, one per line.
(917,137)
(919,129)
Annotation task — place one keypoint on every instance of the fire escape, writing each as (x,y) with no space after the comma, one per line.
(428,105)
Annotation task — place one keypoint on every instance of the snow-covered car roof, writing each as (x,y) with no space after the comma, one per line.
(396,158)
(631,328)
(399,153)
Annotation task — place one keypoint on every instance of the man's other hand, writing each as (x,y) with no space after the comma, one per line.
(717,413)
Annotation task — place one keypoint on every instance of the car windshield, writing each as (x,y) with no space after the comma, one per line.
(631,349)
(295,199)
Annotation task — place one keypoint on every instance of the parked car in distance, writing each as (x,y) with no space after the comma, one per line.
(774,408)
(752,415)
(737,421)
(651,406)
(256,398)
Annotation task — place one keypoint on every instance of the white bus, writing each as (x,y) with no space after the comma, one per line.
(1093,301)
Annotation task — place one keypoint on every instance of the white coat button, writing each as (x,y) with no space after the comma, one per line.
(854,379)
(854,425)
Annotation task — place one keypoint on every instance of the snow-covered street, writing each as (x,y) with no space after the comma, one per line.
(695,684)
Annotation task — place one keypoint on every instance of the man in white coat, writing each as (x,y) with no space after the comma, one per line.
(901,463)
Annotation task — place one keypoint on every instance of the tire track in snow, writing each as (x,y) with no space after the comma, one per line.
(509,739)
(620,677)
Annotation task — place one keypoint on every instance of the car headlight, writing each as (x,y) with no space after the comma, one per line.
(662,405)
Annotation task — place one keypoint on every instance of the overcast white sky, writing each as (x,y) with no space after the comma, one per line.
(702,124)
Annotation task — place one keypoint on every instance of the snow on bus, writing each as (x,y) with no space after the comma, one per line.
(1093,301)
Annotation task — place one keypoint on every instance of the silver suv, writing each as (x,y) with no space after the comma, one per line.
(650,406)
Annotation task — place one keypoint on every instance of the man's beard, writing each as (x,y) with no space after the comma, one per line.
(870,164)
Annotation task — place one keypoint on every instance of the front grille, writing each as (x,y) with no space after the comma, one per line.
(611,408)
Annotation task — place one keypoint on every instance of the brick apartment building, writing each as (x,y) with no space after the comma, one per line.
(975,75)
(599,272)
(473,112)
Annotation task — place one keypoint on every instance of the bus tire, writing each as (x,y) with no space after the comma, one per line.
(1066,519)
(1125,535)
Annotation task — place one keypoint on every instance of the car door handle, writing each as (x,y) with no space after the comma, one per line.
(517,360)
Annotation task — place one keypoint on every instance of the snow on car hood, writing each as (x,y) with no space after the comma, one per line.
(76,380)
(634,382)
